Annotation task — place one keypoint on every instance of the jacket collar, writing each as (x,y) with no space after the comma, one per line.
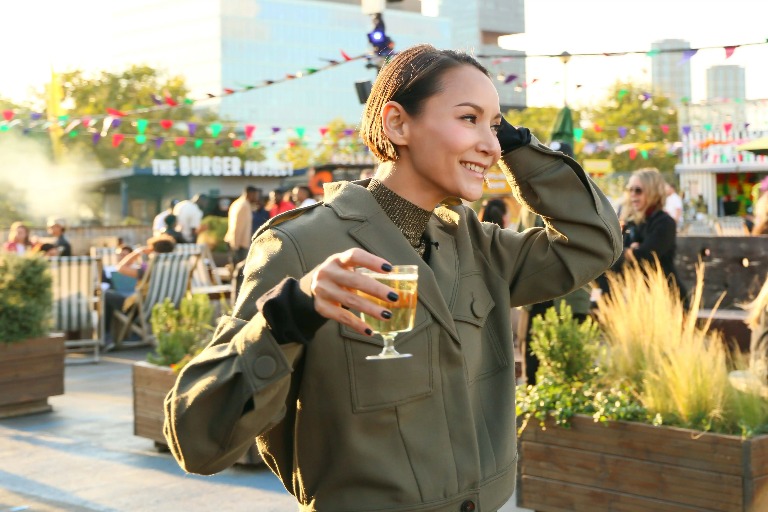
(377,234)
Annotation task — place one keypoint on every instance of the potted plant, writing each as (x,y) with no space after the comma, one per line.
(31,360)
(214,230)
(181,334)
(646,418)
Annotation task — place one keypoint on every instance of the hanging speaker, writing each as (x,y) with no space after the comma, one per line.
(363,90)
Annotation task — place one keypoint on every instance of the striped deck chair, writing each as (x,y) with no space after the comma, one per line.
(205,279)
(107,255)
(77,305)
(167,276)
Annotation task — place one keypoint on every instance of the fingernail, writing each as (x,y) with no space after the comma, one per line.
(368,332)
(392,297)
(386,315)
(386,267)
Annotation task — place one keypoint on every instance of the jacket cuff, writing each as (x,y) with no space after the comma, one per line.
(290,313)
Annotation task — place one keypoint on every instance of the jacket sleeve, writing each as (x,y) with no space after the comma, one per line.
(580,239)
(236,388)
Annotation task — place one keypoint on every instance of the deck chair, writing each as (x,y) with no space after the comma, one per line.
(107,255)
(205,279)
(77,305)
(167,276)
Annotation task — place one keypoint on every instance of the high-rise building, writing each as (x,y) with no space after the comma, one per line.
(217,44)
(726,83)
(671,70)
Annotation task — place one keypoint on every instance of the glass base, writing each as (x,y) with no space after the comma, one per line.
(396,355)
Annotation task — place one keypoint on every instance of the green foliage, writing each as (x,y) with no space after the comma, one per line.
(213,235)
(132,89)
(181,333)
(25,297)
(566,349)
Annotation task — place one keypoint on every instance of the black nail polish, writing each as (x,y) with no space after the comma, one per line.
(368,332)
(386,267)
(392,297)
(386,315)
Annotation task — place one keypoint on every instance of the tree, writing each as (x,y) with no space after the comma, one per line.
(340,139)
(296,152)
(136,88)
(540,120)
(637,126)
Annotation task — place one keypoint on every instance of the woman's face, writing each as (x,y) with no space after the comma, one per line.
(22,234)
(637,195)
(452,142)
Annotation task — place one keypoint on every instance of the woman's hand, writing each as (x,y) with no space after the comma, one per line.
(510,137)
(335,284)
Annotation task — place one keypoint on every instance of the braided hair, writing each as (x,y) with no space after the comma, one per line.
(410,78)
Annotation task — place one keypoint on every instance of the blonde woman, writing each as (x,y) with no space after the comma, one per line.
(757,321)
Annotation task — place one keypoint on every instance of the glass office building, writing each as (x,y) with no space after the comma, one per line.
(217,44)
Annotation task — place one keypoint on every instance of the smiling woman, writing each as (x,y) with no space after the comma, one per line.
(435,431)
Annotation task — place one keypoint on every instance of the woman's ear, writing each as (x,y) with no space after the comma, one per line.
(393,120)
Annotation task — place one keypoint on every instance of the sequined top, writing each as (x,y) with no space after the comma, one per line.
(409,218)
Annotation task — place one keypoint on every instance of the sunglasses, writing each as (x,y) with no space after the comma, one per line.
(635,190)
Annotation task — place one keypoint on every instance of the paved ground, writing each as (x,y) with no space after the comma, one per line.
(83,456)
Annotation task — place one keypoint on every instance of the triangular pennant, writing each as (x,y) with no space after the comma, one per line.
(115,112)
(249,129)
(117,139)
(7,115)
(166,124)
(345,56)
(687,54)
(180,141)
(729,50)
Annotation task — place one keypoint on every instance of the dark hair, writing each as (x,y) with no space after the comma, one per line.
(410,78)
(170,220)
(250,189)
(162,243)
(494,211)
(45,247)
(306,190)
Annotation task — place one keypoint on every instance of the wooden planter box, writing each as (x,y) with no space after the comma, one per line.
(151,383)
(629,467)
(30,371)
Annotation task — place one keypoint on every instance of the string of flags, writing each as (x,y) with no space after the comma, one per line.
(686,54)
(113,118)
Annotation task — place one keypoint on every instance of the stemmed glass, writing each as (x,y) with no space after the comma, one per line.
(403,279)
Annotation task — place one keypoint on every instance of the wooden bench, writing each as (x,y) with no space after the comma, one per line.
(731,323)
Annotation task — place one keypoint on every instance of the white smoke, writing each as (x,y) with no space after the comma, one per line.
(41,187)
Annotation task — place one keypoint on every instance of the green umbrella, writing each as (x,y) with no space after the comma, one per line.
(562,130)
(757,146)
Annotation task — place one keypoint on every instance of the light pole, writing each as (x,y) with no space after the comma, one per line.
(564,58)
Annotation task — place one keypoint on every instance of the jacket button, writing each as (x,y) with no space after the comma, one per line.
(476,307)
(468,506)
(265,367)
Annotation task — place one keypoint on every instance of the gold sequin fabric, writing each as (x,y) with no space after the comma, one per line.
(409,218)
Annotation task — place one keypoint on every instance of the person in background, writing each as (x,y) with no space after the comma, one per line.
(239,226)
(436,431)
(189,216)
(46,249)
(495,210)
(170,229)
(673,204)
(760,209)
(260,214)
(279,202)
(18,239)
(133,265)
(158,223)
(302,196)
(57,227)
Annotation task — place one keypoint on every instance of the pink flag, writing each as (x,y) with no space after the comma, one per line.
(729,51)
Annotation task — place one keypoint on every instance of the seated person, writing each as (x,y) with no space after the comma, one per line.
(133,265)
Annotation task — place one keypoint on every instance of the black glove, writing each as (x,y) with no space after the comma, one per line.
(511,138)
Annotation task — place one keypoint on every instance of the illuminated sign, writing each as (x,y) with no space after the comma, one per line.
(218,166)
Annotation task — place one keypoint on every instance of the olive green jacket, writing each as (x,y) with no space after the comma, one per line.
(428,433)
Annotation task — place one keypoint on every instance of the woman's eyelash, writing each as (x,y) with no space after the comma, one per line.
(470,117)
(496,127)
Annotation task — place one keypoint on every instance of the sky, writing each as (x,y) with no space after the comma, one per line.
(597,26)
(40,34)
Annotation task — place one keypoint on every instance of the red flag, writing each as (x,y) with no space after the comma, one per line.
(180,141)
(665,128)
(170,101)
(727,127)
(598,128)
(249,128)
(344,54)
(729,50)
(166,123)
(117,139)
(116,113)
(632,153)
(236,143)
(323,131)
(7,115)
(228,91)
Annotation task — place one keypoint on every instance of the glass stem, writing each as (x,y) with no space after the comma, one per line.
(389,345)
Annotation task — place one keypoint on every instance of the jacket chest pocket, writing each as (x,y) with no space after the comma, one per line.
(381,384)
(480,343)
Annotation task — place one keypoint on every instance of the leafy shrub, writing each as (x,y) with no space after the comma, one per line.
(181,333)
(25,297)
(213,236)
